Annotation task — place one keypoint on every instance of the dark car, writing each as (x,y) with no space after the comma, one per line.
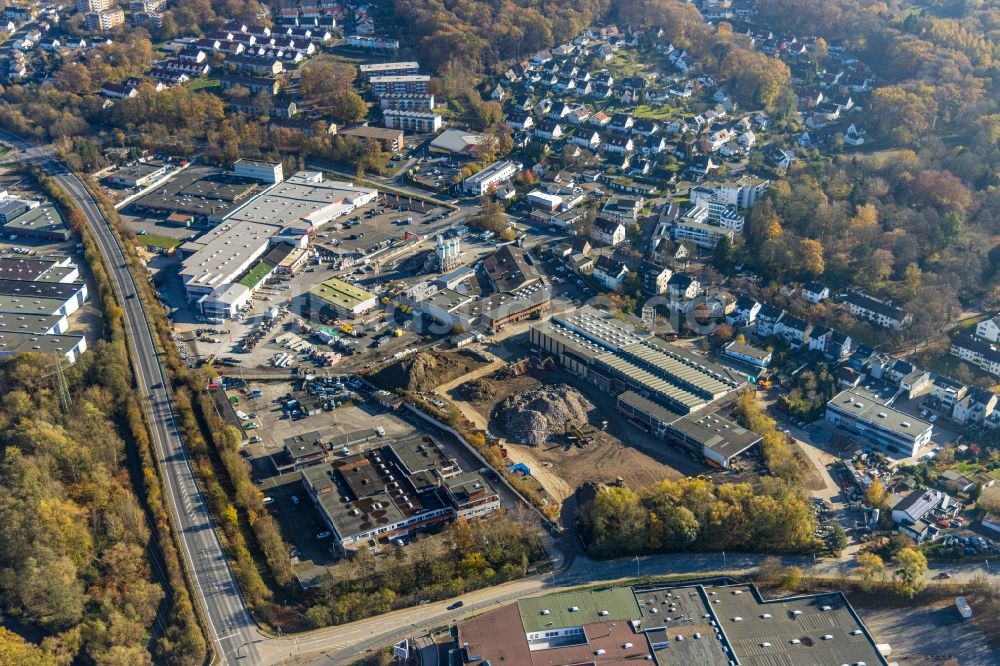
(457,604)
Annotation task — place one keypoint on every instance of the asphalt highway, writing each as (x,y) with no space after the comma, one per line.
(234,634)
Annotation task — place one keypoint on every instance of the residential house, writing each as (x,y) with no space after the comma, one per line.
(646,127)
(793,330)
(587,138)
(744,312)
(880,313)
(118,91)
(682,287)
(838,345)
(977,352)
(655,278)
(700,166)
(600,119)
(610,273)
(621,122)
(989,329)
(520,120)
(975,407)
(916,513)
(768,318)
(814,292)
(549,129)
(619,144)
(608,232)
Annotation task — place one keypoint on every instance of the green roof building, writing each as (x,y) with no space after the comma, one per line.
(342,297)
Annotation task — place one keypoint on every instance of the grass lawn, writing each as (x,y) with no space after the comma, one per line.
(255,275)
(206,83)
(662,113)
(153,240)
(966,467)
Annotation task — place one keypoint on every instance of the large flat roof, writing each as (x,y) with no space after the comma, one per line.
(341,294)
(41,218)
(860,405)
(24,268)
(223,249)
(138,170)
(601,327)
(192,193)
(608,604)
(304,196)
(27,305)
(684,366)
(28,323)
(808,619)
(717,432)
(36,289)
(15,342)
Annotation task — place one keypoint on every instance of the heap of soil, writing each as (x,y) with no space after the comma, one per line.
(531,417)
(424,371)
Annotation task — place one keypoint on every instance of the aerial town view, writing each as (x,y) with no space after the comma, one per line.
(534,332)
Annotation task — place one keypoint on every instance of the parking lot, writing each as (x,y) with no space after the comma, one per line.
(930,634)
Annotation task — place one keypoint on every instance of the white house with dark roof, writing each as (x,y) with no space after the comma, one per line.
(610,273)
(815,292)
(877,312)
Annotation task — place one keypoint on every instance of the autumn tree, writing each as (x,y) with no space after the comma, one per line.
(871,567)
(810,257)
(911,567)
(875,495)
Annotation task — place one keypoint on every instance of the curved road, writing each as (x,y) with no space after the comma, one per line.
(232,631)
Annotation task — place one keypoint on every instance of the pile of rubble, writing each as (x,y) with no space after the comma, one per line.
(532,416)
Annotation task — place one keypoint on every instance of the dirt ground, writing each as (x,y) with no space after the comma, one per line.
(562,467)
(425,371)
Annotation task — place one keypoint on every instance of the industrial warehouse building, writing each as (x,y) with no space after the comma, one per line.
(18,342)
(288,212)
(44,269)
(139,174)
(675,394)
(893,431)
(394,490)
(43,222)
(49,298)
(703,624)
(344,299)
(212,197)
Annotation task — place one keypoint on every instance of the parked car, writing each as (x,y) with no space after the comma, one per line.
(456,605)
(268,500)
(323,535)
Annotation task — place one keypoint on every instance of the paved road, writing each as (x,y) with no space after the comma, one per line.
(232,631)
(342,644)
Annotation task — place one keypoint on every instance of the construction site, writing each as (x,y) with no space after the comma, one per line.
(557,434)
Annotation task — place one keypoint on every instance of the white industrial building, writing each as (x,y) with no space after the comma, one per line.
(893,431)
(544,200)
(223,254)
(290,212)
(495,174)
(226,300)
(268,172)
(305,200)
